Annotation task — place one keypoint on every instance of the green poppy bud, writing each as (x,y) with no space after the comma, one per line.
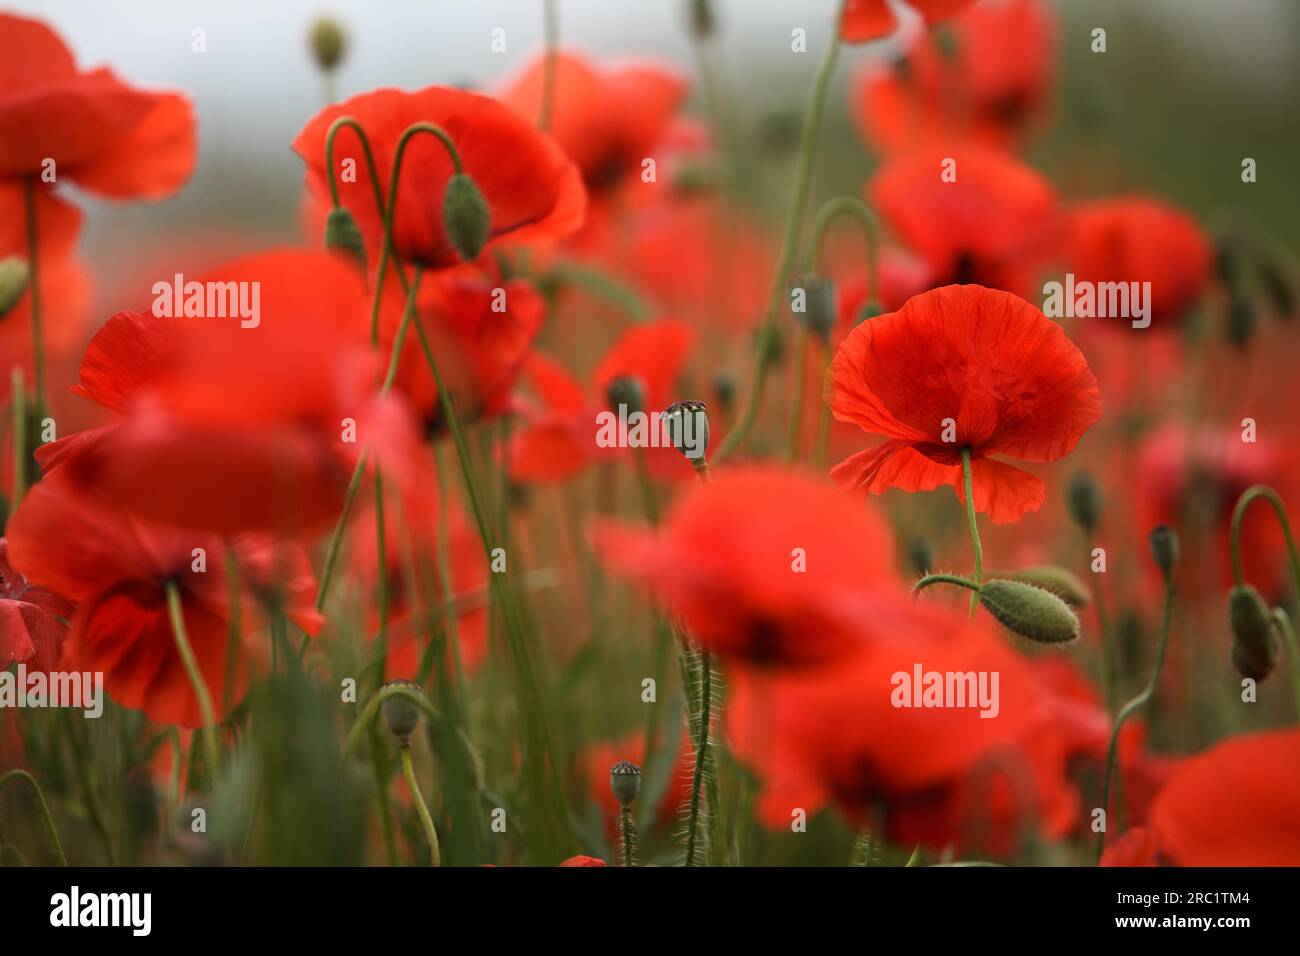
(1030,611)
(919,555)
(625,781)
(328,43)
(14,276)
(1164,548)
(688,428)
(1255,642)
(1084,501)
(626,390)
(818,315)
(465,216)
(1241,320)
(1062,582)
(342,234)
(401,713)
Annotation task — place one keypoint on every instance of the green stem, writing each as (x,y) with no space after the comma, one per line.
(1110,673)
(551,27)
(197,683)
(1133,706)
(861,213)
(800,386)
(701,754)
(336,539)
(381,565)
(973,526)
(929,579)
(34,285)
(627,834)
(789,245)
(18,396)
(376,701)
(421,809)
(45,809)
(1283,623)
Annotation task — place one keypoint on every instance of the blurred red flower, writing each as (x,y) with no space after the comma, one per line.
(583,861)
(982,364)
(534,192)
(863,20)
(31,629)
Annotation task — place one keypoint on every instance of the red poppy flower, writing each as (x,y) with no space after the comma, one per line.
(864,20)
(607,119)
(107,137)
(988,79)
(755,578)
(228,428)
(32,619)
(560,439)
(583,861)
(944,774)
(1236,804)
(533,192)
(1141,239)
(115,569)
(962,367)
(988,225)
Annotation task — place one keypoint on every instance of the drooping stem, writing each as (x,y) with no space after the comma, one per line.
(426,821)
(789,246)
(930,579)
(45,809)
(973,526)
(1134,705)
(200,687)
(34,286)
(701,754)
(857,210)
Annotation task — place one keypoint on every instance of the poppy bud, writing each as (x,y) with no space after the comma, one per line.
(724,389)
(1084,501)
(1241,320)
(342,234)
(818,315)
(1254,638)
(401,713)
(1062,582)
(328,43)
(1164,548)
(14,276)
(702,22)
(626,390)
(688,428)
(625,781)
(867,311)
(919,555)
(465,216)
(1030,611)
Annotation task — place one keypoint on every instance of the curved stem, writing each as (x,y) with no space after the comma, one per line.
(973,526)
(1137,703)
(45,809)
(789,245)
(372,708)
(426,821)
(200,687)
(34,285)
(701,754)
(1238,516)
(352,124)
(859,211)
(929,579)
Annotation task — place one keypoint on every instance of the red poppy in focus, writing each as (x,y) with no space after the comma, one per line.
(962,367)
(1141,239)
(115,568)
(534,193)
(857,735)
(560,438)
(765,565)
(973,213)
(988,78)
(107,137)
(227,428)
(1236,804)
(864,20)
(32,619)
(607,119)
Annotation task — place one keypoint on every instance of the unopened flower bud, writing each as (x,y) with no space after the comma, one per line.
(1030,611)
(465,216)
(1062,582)
(702,22)
(328,43)
(1254,638)
(818,314)
(625,781)
(1084,501)
(342,234)
(1241,320)
(626,390)
(688,428)
(1164,548)
(401,713)
(14,276)
(919,555)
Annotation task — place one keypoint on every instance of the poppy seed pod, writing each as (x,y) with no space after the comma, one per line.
(1062,582)
(401,713)
(626,390)
(688,428)
(625,781)
(1083,500)
(465,216)
(328,43)
(1254,638)
(818,315)
(1164,548)
(342,234)
(1030,611)
(14,276)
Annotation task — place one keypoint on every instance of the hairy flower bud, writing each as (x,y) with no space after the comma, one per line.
(342,234)
(1164,548)
(1254,637)
(625,781)
(14,276)
(465,216)
(1062,582)
(626,390)
(1084,501)
(401,713)
(1030,611)
(688,428)
(328,43)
